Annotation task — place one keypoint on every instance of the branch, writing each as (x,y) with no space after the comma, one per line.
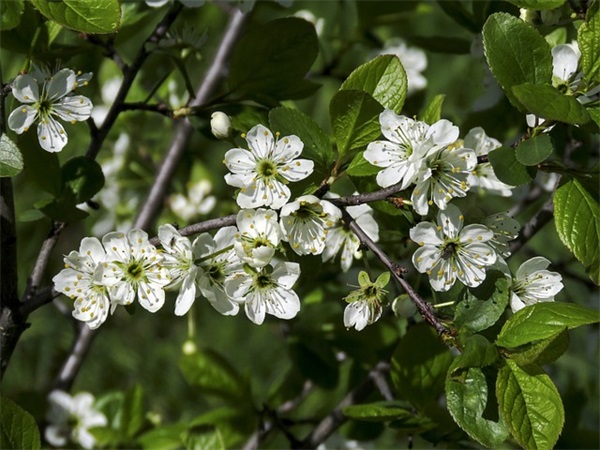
(336,418)
(109,50)
(159,108)
(129,75)
(396,271)
(154,201)
(71,366)
(535,224)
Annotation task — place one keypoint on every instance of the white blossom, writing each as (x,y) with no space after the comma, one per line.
(533,283)
(443,176)
(267,291)
(305,223)
(178,258)
(448,251)
(259,234)
(218,263)
(137,264)
(408,142)
(565,60)
(71,417)
(86,279)
(54,100)
(414,61)
(340,237)
(197,202)
(483,174)
(263,171)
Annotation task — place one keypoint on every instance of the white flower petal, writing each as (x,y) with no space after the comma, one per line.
(21,118)
(25,89)
(51,135)
(287,148)
(151,298)
(531,266)
(443,132)
(356,314)
(564,62)
(60,84)
(297,170)
(73,108)
(261,142)
(187,295)
(255,308)
(285,274)
(426,233)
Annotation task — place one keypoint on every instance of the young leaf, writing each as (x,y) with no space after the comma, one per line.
(164,438)
(539,5)
(542,321)
(433,111)
(516,53)
(62,210)
(99,16)
(477,312)
(82,178)
(272,60)
(383,411)
(533,151)
(577,223)
(316,143)
(530,405)
(355,121)
(384,78)
(466,399)
(11,160)
(11,14)
(17,427)
(588,38)
(457,11)
(548,102)
(419,366)
(507,168)
(132,412)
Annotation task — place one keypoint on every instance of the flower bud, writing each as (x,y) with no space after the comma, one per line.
(220,125)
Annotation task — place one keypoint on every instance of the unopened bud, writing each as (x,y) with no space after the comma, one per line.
(220,125)
(189,347)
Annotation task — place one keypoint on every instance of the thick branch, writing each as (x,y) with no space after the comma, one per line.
(154,201)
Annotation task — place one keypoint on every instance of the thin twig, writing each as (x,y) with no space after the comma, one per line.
(336,418)
(71,366)
(160,108)
(396,271)
(128,77)
(535,224)
(109,50)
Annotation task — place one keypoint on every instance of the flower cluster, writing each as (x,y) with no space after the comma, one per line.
(44,97)
(432,158)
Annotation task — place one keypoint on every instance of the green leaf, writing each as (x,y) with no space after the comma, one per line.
(542,352)
(164,438)
(43,168)
(548,102)
(18,428)
(433,111)
(466,399)
(316,143)
(94,17)
(577,223)
(457,11)
(477,352)
(131,415)
(383,411)
(530,405)
(533,151)
(10,14)
(516,53)
(355,121)
(360,167)
(588,39)
(419,366)
(82,178)
(384,78)
(11,160)
(203,437)
(479,310)
(272,60)
(542,321)
(210,372)
(508,168)
(539,5)
(61,210)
